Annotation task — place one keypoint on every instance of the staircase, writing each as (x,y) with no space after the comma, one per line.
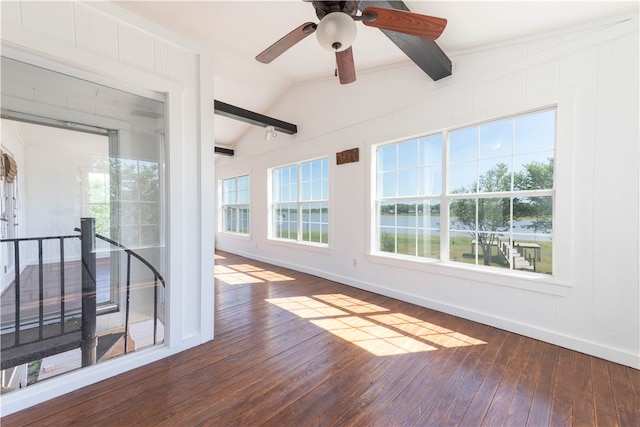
(515,258)
(51,319)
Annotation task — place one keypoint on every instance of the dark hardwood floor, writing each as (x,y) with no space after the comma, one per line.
(295,350)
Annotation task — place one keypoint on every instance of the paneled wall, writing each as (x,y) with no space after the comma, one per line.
(590,73)
(101,42)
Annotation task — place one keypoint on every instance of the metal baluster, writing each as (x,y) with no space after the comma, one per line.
(128,295)
(62,285)
(89,340)
(40,291)
(155,308)
(16,250)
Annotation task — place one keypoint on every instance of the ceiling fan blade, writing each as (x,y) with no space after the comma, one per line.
(401,21)
(346,68)
(286,42)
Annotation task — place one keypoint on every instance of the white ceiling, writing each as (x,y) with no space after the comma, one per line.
(236,31)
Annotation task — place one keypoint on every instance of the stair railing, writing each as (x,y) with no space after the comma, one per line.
(18,352)
(12,354)
(157,280)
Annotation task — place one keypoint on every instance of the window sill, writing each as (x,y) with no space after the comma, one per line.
(235,235)
(298,244)
(509,278)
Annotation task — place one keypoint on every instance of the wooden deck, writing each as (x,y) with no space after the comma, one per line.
(295,350)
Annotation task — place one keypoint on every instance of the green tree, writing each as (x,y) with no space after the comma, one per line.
(492,216)
(535,176)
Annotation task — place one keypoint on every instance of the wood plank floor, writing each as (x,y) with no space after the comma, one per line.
(295,350)
(30,290)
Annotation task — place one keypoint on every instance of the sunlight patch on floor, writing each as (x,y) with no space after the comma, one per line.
(306,307)
(237,274)
(370,328)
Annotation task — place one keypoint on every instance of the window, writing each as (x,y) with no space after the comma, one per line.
(301,188)
(490,205)
(99,201)
(140,203)
(409,189)
(235,204)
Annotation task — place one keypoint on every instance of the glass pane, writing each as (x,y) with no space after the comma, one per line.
(408,154)
(533,215)
(495,175)
(494,215)
(462,215)
(306,190)
(463,177)
(429,215)
(463,144)
(462,247)
(430,181)
(244,220)
(387,239)
(431,150)
(230,218)
(305,172)
(535,132)
(496,139)
(408,182)
(285,219)
(387,158)
(429,243)
(406,241)
(387,214)
(533,171)
(387,184)
(316,193)
(114,177)
(533,253)
(243,190)
(228,191)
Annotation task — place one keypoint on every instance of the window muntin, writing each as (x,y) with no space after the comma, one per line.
(300,202)
(235,204)
(499,198)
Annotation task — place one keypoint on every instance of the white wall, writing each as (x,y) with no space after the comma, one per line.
(13,144)
(590,73)
(102,42)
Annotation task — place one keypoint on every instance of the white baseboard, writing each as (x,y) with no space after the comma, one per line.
(553,337)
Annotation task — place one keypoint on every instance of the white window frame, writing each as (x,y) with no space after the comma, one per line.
(222,226)
(561,281)
(299,203)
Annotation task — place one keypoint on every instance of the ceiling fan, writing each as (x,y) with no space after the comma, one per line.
(336,31)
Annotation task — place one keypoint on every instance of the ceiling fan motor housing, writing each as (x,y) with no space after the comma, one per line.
(323,8)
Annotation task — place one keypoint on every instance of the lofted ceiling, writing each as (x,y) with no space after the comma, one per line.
(236,31)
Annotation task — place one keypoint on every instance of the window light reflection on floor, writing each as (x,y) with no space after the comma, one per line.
(371,327)
(239,274)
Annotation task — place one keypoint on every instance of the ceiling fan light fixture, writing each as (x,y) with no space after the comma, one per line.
(336,31)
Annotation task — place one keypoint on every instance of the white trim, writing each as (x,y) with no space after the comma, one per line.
(562,280)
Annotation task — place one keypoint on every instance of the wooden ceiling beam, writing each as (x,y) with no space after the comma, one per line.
(253,118)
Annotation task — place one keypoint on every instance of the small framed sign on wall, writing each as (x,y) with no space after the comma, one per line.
(348,156)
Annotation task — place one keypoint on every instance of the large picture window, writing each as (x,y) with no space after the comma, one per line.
(300,196)
(235,204)
(491,204)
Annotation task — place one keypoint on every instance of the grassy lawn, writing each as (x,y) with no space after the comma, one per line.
(460,250)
